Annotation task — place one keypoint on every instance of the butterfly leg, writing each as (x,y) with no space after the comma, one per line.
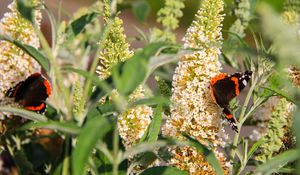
(230,118)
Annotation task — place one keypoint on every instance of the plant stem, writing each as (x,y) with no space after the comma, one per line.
(66,161)
(241,119)
(115,151)
(58,76)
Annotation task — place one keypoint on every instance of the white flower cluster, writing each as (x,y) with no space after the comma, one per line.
(193,111)
(15,64)
(133,123)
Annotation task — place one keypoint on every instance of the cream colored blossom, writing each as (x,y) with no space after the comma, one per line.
(133,123)
(205,31)
(193,111)
(15,65)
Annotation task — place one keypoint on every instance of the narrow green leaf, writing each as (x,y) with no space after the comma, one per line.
(280,93)
(278,161)
(78,24)
(141,10)
(154,128)
(287,170)
(54,125)
(158,100)
(26,9)
(24,113)
(209,155)
(93,131)
(58,169)
(105,108)
(31,51)
(133,74)
(254,147)
(296,130)
(144,147)
(164,170)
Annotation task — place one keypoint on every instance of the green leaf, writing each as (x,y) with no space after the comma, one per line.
(278,161)
(31,51)
(24,113)
(280,93)
(93,131)
(254,147)
(164,170)
(129,75)
(141,10)
(144,147)
(78,24)
(145,159)
(209,155)
(54,125)
(296,130)
(133,74)
(26,9)
(158,100)
(154,128)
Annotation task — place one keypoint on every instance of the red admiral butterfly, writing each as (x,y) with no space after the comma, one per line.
(32,92)
(224,88)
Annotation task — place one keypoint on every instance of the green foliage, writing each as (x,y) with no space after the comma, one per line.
(92,133)
(79,24)
(164,171)
(273,165)
(141,10)
(94,72)
(26,9)
(153,129)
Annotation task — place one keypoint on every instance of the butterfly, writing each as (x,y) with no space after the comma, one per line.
(31,93)
(224,88)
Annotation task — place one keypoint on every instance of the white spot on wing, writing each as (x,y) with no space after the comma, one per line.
(244,82)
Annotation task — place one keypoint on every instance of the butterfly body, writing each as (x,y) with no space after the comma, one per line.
(31,93)
(224,88)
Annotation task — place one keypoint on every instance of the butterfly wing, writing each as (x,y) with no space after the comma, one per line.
(32,92)
(242,79)
(224,88)
(36,94)
(223,91)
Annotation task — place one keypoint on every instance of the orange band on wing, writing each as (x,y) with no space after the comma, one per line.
(35,108)
(217,78)
(229,116)
(48,87)
(236,83)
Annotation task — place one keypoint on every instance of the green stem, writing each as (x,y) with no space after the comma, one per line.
(241,120)
(57,73)
(115,151)
(66,161)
